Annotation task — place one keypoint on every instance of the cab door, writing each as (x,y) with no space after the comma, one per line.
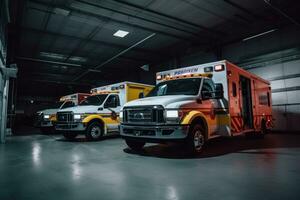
(111,110)
(208,105)
(246,102)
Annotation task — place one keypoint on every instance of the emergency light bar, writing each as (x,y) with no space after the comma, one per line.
(67,98)
(168,77)
(105,92)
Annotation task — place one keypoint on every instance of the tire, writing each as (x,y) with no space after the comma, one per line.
(258,134)
(70,136)
(135,145)
(196,139)
(263,129)
(94,131)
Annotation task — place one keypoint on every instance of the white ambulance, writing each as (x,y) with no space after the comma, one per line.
(45,117)
(98,115)
(198,103)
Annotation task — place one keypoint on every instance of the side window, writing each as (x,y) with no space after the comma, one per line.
(68,104)
(112,101)
(208,88)
(233,89)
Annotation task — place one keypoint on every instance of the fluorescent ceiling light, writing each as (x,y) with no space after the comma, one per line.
(61,11)
(62,57)
(121,33)
(77,59)
(258,35)
(52,55)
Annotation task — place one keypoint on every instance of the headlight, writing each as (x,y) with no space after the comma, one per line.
(46,116)
(121,114)
(172,114)
(77,116)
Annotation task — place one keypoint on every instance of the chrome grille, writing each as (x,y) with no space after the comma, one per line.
(64,117)
(150,114)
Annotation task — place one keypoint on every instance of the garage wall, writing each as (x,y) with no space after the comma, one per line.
(275,57)
(3,90)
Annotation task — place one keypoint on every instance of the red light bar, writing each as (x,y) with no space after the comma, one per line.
(219,68)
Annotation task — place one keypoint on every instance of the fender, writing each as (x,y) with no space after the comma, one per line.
(191,116)
(187,120)
(89,118)
(53,118)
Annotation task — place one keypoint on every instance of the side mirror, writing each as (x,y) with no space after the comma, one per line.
(206,95)
(100,108)
(199,100)
(219,94)
(141,95)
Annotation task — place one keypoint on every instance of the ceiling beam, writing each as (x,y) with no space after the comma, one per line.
(47,61)
(241,8)
(204,28)
(115,56)
(137,26)
(284,14)
(82,83)
(141,18)
(97,42)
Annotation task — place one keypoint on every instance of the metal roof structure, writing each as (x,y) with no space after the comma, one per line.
(65,41)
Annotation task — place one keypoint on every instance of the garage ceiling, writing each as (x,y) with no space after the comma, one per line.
(60,40)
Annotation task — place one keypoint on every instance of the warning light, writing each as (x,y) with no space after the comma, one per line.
(219,68)
(208,69)
(158,77)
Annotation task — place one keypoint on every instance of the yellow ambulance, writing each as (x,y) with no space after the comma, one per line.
(98,114)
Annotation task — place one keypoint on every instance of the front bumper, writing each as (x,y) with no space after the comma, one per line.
(70,126)
(43,124)
(155,133)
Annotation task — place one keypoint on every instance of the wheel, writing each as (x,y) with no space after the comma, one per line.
(258,134)
(70,136)
(263,129)
(196,139)
(94,131)
(135,145)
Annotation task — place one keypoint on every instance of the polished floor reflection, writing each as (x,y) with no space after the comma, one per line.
(48,167)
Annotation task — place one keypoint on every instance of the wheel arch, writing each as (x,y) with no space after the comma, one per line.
(201,121)
(95,118)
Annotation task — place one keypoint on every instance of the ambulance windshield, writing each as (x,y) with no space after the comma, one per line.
(95,100)
(188,86)
(57,105)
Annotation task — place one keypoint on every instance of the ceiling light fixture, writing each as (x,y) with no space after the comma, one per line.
(57,56)
(258,35)
(61,11)
(121,33)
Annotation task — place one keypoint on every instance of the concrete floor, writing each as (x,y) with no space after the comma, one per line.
(47,167)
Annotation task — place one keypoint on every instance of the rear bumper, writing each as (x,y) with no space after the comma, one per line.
(155,133)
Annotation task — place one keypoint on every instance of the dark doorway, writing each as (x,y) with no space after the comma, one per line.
(247,113)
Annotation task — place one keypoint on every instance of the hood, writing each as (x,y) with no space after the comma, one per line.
(48,111)
(169,101)
(81,109)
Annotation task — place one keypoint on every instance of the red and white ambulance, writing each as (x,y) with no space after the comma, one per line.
(198,103)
